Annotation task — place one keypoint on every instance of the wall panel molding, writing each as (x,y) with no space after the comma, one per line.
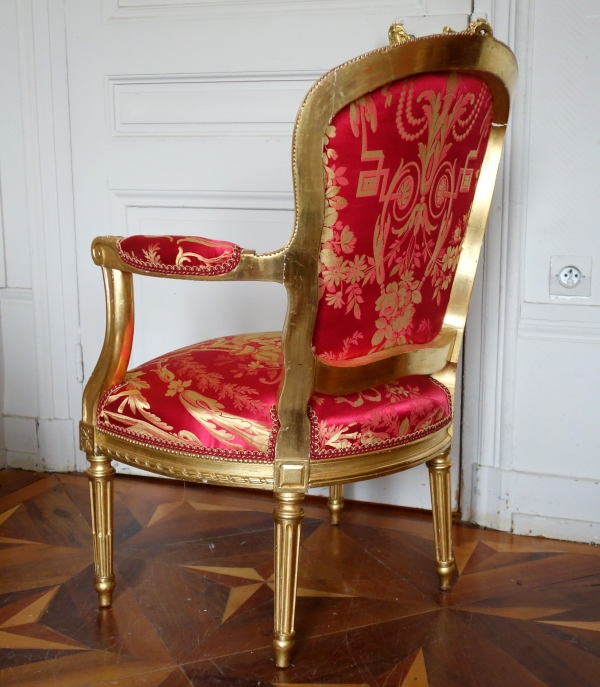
(186,211)
(577,323)
(46,133)
(233,104)
(548,330)
(492,337)
(166,9)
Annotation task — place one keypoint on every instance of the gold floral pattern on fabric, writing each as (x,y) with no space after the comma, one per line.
(218,399)
(179,254)
(400,170)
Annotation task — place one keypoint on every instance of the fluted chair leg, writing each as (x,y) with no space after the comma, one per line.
(335,503)
(441,503)
(288,517)
(100,475)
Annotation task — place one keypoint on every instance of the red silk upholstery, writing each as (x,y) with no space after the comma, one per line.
(179,254)
(400,168)
(217,399)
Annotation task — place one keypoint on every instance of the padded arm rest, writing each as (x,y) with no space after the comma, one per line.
(187,257)
(191,255)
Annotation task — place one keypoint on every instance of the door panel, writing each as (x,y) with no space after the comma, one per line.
(182,114)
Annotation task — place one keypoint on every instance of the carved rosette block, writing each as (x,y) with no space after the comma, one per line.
(441,502)
(100,475)
(335,503)
(288,517)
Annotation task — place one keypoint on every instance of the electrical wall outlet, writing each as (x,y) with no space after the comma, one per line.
(571,276)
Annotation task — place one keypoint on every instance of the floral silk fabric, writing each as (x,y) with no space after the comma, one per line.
(400,165)
(218,399)
(179,254)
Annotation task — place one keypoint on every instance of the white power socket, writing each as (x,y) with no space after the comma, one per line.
(571,276)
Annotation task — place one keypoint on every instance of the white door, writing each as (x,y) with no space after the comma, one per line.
(181,117)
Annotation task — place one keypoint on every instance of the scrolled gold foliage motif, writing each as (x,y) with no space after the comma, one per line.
(397,34)
(478,27)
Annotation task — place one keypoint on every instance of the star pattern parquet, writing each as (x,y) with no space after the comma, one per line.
(193,604)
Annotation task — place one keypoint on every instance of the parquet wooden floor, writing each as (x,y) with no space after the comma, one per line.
(194,603)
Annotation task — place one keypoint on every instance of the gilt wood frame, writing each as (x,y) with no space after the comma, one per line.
(296,267)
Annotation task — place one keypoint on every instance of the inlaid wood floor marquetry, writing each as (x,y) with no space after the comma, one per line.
(193,604)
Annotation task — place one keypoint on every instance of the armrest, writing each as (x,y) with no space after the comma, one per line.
(176,257)
(179,255)
(185,257)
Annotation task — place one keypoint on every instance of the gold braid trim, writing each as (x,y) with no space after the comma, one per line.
(186,473)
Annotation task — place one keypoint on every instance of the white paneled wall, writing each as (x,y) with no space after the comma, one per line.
(18,379)
(531,438)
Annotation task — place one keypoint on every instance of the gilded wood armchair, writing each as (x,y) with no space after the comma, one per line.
(395,155)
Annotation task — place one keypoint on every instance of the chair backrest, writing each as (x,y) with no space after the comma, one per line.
(395,156)
(401,167)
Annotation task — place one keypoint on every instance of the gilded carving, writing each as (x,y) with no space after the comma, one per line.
(297,377)
(478,27)
(397,34)
(86,438)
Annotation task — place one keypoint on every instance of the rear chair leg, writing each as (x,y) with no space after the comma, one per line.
(288,517)
(100,475)
(441,503)
(335,503)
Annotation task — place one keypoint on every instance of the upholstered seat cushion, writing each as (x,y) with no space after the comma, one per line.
(218,399)
(183,255)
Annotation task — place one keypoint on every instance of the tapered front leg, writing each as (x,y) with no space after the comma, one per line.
(100,475)
(441,503)
(288,517)
(335,503)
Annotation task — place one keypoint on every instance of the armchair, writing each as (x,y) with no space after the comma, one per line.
(395,155)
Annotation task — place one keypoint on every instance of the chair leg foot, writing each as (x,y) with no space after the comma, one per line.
(288,517)
(283,645)
(445,573)
(100,475)
(441,503)
(335,503)
(104,587)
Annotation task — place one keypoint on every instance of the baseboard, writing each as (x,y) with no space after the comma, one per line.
(57,445)
(24,461)
(552,506)
(556,528)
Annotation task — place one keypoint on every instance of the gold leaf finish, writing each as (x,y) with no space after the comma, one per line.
(441,500)
(296,266)
(288,516)
(397,34)
(100,475)
(335,503)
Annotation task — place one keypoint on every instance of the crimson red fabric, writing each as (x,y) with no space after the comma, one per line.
(218,399)
(400,168)
(179,254)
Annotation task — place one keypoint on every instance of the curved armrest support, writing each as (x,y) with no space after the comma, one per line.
(158,256)
(350,376)
(186,257)
(118,339)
